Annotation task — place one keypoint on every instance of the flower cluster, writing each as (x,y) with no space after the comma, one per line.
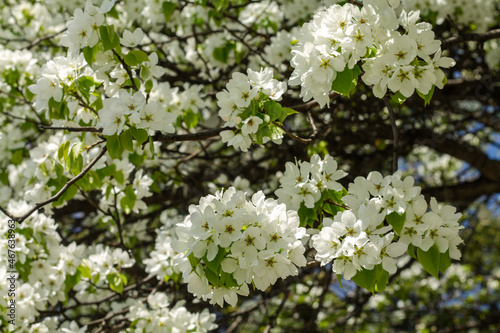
(83,29)
(158,316)
(341,36)
(305,181)
(386,215)
(133,108)
(403,62)
(54,76)
(227,242)
(243,104)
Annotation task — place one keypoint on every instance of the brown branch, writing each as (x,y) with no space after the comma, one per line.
(313,125)
(127,69)
(189,137)
(293,136)
(312,104)
(461,150)
(463,192)
(61,191)
(471,37)
(395,135)
(34,42)
(73,129)
(85,105)
(272,320)
(41,39)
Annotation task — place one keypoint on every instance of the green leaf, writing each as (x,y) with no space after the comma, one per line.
(135,57)
(145,73)
(262,133)
(220,5)
(430,260)
(151,147)
(116,281)
(85,271)
(71,281)
(228,280)
(67,195)
(193,260)
(222,53)
(190,118)
(345,82)
(427,97)
(148,85)
(382,280)
(307,216)
(115,150)
(127,203)
(77,165)
(215,264)
(168,9)
(398,98)
(109,38)
(130,59)
(444,261)
(139,134)
(84,84)
(397,221)
(287,112)
(366,279)
(126,140)
(89,54)
(273,109)
(213,278)
(62,152)
(372,280)
(411,251)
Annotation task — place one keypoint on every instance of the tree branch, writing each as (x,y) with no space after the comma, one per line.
(189,137)
(471,37)
(61,191)
(395,135)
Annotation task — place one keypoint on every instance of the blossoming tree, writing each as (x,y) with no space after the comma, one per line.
(232,165)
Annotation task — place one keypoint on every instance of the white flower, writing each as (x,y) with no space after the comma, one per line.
(152,67)
(251,125)
(240,90)
(255,241)
(403,80)
(45,89)
(112,117)
(130,39)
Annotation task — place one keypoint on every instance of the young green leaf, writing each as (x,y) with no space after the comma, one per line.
(168,9)
(345,82)
(430,260)
(126,140)
(139,134)
(397,221)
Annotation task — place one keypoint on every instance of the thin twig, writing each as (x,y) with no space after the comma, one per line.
(85,105)
(293,136)
(127,69)
(471,37)
(73,129)
(313,125)
(272,320)
(189,137)
(395,134)
(312,104)
(61,191)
